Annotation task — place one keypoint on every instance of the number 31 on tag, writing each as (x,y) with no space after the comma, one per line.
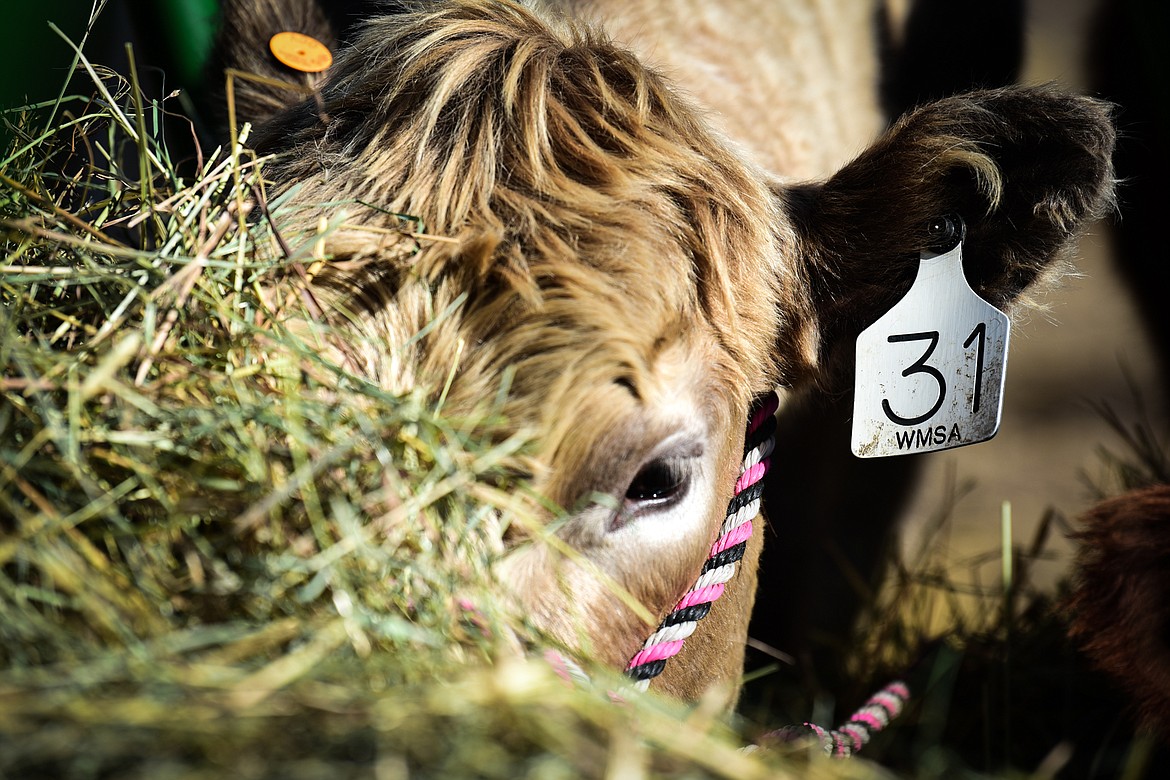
(930,372)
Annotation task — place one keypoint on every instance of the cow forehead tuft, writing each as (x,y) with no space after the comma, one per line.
(580,189)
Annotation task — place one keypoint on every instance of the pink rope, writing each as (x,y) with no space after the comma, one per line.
(768,407)
(650,660)
(657,652)
(855,733)
(740,533)
(647,662)
(700,596)
(753,475)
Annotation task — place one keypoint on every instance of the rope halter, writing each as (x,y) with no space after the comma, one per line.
(667,641)
(729,548)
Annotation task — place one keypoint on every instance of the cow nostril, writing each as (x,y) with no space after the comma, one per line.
(659,482)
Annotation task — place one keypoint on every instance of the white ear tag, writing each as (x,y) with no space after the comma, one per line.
(930,372)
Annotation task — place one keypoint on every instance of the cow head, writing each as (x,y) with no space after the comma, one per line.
(627,280)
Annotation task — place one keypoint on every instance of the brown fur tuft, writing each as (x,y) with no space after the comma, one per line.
(559,163)
(1121,604)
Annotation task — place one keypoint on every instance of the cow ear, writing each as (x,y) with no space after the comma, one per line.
(1025,168)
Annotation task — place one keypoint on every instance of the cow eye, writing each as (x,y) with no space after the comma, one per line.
(660,482)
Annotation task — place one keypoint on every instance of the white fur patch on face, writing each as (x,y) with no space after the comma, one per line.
(670,497)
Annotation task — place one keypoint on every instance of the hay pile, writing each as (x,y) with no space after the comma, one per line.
(222,555)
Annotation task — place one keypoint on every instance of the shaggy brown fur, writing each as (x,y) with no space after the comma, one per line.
(1121,604)
(628,272)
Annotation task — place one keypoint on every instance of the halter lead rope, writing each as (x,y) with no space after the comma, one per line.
(667,641)
(729,548)
(851,736)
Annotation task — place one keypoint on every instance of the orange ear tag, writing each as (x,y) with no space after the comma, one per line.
(300,52)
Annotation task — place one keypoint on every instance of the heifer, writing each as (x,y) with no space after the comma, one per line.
(649,217)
